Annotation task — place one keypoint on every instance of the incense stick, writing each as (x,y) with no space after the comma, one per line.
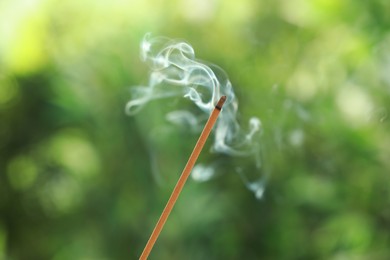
(183,178)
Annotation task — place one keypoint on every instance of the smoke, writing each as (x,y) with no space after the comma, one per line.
(175,71)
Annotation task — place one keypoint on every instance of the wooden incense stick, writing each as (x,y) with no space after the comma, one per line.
(183,178)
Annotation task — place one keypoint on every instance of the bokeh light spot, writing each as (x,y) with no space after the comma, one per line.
(22,172)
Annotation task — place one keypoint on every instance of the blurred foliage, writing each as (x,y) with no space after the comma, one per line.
(78,177)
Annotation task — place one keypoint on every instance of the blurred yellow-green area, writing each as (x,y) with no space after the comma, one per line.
(79,179)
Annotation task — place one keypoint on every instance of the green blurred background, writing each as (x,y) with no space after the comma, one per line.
(81,180)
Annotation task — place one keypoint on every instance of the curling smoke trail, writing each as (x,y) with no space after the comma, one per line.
(176,72)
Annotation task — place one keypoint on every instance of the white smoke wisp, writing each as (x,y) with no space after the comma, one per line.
(176,72)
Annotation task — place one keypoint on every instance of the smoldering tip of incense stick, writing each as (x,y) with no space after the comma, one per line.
(220,103)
